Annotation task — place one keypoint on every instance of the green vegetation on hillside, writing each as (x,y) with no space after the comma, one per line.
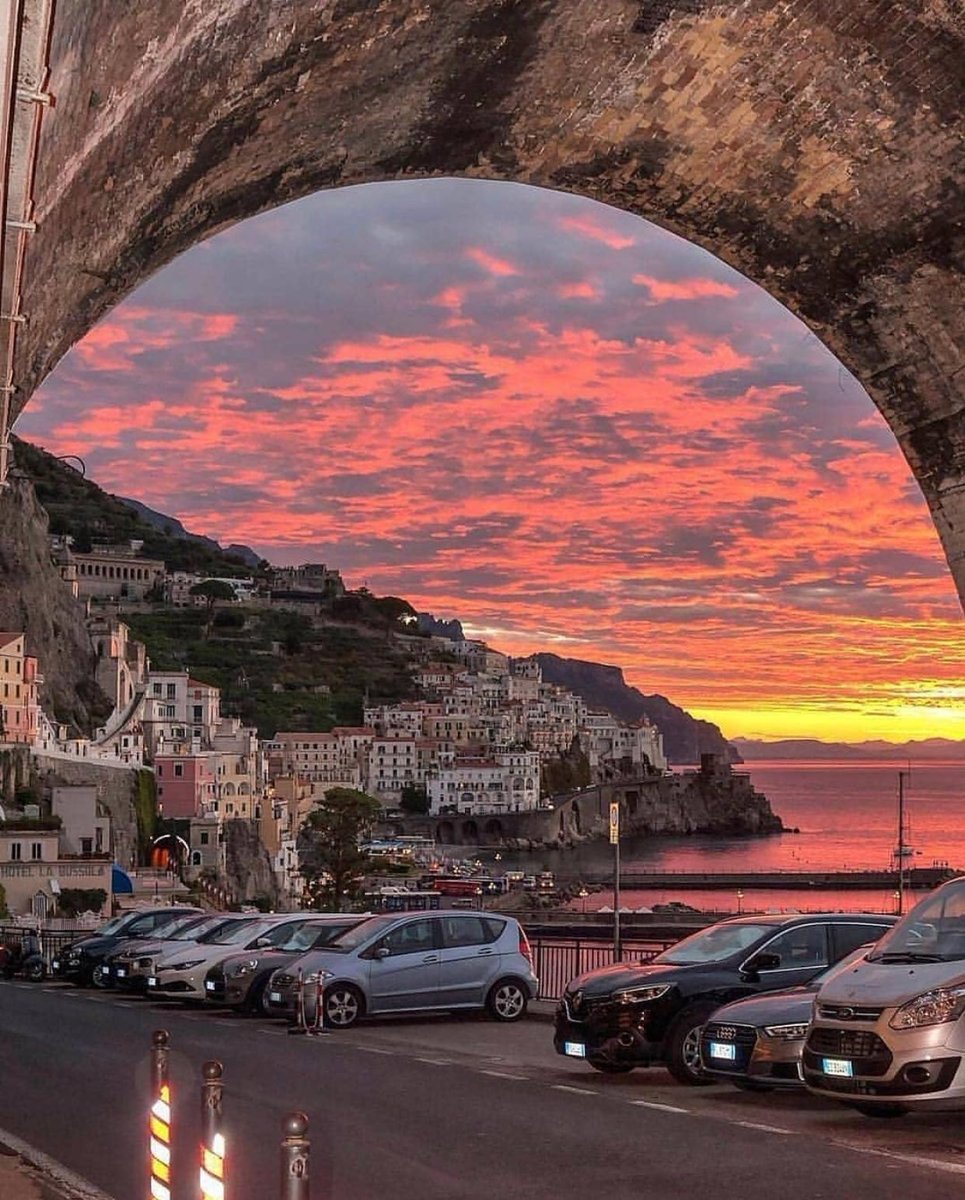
(281,670)
(78,507)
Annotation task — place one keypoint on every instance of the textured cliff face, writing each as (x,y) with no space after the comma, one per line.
(685,738)
(247,866)
(34,598)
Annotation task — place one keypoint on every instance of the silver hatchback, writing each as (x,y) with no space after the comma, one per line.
(412,963)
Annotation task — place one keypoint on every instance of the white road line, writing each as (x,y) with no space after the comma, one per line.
(660,1107)
(65,1180)
(763,1128)
(916,1160)
(376,1050)
(273,1032)
(434,1062)
(578,1091)
(502,1075)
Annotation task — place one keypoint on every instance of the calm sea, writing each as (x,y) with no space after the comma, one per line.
(847,815)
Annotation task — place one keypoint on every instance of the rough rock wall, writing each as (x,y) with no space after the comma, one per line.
(814,145)
(34,598)
(248,870)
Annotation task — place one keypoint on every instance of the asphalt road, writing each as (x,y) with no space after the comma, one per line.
(434,1109)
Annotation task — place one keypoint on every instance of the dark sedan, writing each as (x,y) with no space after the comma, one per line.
(78,962)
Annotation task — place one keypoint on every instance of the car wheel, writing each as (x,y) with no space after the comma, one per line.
(881,1110)
(612,1068)
(99,980)
(35,972)
(507,1000)
(344,1004)
(683,1046)
(254,1005)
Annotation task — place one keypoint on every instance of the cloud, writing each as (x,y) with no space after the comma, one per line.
(539,415)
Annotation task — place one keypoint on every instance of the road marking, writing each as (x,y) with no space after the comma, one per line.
(660,1107)
(578,1091)
(763,1128)
(916,1160)
(375,1050)
(502,1075)
(274,1032)
(66,1181)
(435,1062)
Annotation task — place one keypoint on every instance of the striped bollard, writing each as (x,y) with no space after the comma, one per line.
(159,1127)
(299,1026)
(212,1173)
(294,1158)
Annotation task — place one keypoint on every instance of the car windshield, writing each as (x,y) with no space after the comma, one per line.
(309,934)
(715,944)
(351,939)
(112,926)
(183,927)
(195,930)
(235,932)
(934,930)
(274,935)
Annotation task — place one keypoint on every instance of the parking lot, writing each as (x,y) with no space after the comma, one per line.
(444,1060)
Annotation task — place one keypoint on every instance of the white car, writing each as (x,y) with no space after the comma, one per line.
(181,973)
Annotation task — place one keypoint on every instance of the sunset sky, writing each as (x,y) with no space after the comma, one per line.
(547,418)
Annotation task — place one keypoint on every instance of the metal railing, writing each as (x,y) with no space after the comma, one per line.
(52,941)
(558,960)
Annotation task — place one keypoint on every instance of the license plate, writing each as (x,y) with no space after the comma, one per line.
(574,1049)
(275,997)
(152,981)
(103,970)
(723,1050)
(122,972)
(837,1066)
(56,964)
(209,985)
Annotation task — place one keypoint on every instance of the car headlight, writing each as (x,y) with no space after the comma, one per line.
(318,976)
(641,995)
(931,1008)
(794,1032)
(243,968)
(187,965)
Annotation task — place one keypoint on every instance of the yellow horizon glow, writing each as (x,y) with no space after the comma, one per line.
(903,724)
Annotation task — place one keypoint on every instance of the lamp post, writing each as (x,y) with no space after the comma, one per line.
(897,897)
(740,900)
(583,893)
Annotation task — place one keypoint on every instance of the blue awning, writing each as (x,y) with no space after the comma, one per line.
(121,882)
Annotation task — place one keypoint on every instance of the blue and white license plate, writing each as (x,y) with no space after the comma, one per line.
(209,985)
(574,1049)
(152,981)
(56,964)
(122,972)
(104,970)
(838,1066)
(275,997)
(725,1050)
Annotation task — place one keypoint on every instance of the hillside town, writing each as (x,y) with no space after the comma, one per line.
(475,742)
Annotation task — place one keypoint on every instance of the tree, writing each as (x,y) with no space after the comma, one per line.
(212,590)
(328,842)
(414,800)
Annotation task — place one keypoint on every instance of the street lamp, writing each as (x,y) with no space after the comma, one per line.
(740,898)
(896,896)
(583,893)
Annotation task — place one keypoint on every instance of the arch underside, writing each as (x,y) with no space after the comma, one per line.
(814,146)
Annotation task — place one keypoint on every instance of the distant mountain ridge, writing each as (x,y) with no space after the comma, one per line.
(812,748)
(685,738)
(173,527)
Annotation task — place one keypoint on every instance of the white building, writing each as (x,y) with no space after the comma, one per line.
(505,782)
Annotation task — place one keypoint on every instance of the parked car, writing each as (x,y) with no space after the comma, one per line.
(648,1014)
(888,1033)
(180,973)
(240,980)
(414,963)
(128,968)
(79,960)
(756,1043)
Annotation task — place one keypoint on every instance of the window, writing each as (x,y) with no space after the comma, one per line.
(803,948)
(850,937)
(203,837)
(412,938)
(15,852)
(178,770)
(172,691)
(469,931)
(86,845)
(198,713)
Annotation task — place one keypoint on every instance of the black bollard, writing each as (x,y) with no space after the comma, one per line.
(294,1158)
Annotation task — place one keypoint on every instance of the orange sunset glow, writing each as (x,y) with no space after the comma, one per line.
(549,419)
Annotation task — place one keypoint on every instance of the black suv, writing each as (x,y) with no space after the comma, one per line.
(649,1014)
(79,961)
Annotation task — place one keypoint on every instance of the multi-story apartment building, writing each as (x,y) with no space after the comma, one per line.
(34,869)
(506,781)
(324,760)
(178,710)
(611,744)
(187,783)
(19,684)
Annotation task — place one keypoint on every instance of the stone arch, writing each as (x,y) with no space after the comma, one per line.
(494,831)
(469,833)
(445,833)
(694,116)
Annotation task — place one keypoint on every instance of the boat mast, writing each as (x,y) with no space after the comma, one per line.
(901,842)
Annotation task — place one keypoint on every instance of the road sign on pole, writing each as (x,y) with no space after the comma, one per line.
(615,842)
(614,824)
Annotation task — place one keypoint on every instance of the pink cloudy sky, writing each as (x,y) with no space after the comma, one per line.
(549,419)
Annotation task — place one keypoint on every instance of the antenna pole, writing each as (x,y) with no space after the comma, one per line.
(901,843)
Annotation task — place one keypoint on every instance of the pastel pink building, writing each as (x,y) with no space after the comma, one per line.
(186,784)
(19,699)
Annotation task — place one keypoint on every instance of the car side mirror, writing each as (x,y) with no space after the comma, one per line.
(262,942)
(382,952)
(761,962)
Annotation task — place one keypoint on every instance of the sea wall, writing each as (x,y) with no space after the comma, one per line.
(713,800)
